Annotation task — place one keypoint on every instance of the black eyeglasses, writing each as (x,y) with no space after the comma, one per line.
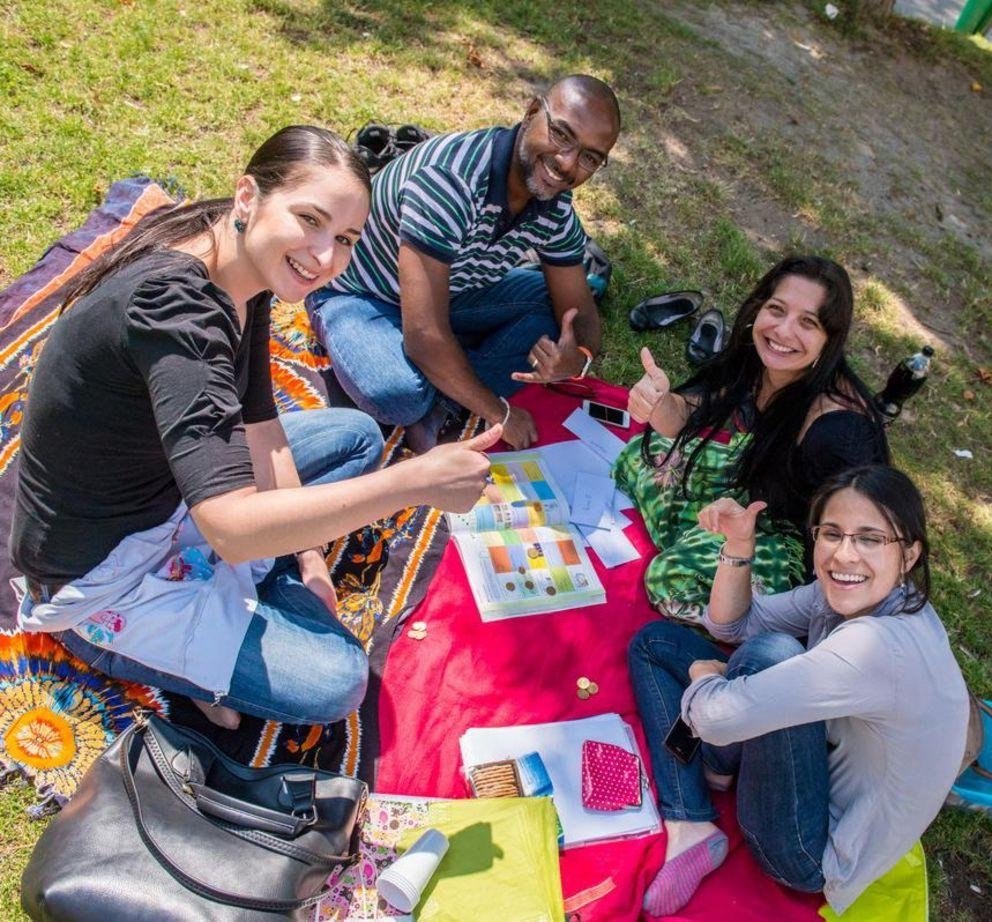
(562,138)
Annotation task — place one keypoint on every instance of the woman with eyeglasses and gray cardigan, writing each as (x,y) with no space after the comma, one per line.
(843,748)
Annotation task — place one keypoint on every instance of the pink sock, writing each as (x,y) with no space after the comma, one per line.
(678,879)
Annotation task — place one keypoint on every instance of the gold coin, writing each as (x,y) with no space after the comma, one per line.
(416,635)
(582,693)
(583,682)
(419,625)
(593,688)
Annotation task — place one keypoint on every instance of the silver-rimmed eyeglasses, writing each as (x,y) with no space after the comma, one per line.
(866,542)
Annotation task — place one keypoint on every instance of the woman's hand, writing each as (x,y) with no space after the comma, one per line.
(454,475)
(314,575)
(729,518)
(649,391)
(703,667)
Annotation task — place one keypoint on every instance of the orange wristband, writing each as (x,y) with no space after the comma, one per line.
(585,368)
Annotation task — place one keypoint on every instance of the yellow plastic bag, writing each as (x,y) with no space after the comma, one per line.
(897,896)
(501,863)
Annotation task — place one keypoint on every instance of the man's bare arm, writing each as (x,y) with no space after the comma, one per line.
(432,347)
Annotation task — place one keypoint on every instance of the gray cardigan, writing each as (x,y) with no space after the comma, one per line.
(896,710)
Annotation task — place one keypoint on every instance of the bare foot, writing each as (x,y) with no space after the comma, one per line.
(717,781)
(218,714)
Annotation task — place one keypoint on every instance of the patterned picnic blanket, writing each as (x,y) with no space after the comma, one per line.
(56,714)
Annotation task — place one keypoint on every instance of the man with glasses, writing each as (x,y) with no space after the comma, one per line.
(433,312)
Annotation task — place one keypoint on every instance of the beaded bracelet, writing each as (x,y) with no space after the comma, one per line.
(506,415)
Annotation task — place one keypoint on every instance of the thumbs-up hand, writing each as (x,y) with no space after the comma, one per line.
(553,361)
(455,473)
(649,391)
(729,518)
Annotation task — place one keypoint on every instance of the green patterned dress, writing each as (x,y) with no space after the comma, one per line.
(680,577)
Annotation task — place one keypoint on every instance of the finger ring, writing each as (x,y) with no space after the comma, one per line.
(533,363)
(489,478)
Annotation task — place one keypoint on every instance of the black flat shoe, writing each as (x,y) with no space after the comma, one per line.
(663,310)
(707,339)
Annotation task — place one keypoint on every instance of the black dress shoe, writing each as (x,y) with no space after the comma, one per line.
(407,136)
(663,310)
(374,144)
(707,338)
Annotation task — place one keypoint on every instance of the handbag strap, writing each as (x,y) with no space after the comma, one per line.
(190,882)
(256,836)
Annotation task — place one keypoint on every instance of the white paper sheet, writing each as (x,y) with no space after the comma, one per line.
(560,746)
(592,501)
(612,546)
(565,460)
(595,435)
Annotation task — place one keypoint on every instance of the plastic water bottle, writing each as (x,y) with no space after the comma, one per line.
(906,379)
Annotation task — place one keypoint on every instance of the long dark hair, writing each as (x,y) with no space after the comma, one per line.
(275,164)
(732,379)
(899,501)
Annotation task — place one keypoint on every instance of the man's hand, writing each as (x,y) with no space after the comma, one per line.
(649,391)
(519,430)
(703,667)
(314,575)
(553,361)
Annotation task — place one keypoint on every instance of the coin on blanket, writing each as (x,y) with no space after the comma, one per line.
(593,688)
(419,625)
(583,682)
(583,693)
(416,635)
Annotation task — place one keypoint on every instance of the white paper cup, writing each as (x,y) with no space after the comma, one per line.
(403,883)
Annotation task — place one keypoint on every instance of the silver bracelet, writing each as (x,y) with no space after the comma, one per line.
(506,415)
(732,561)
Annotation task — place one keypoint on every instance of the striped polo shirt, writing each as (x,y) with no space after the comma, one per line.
(448,198)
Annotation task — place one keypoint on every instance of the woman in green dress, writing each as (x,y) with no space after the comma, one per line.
(768,420)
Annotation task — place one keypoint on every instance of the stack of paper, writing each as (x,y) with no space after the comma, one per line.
(582,470)
(560,746)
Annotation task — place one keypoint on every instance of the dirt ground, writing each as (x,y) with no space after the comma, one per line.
(899,138)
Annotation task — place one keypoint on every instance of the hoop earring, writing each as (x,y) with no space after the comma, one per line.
(240,225)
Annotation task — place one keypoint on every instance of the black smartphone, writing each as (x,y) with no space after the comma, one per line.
(606,414)
(681,743)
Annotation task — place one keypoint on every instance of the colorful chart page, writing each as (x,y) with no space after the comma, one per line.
(521,495)
(521,555)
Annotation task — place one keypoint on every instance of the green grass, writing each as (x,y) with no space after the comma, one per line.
(698,194)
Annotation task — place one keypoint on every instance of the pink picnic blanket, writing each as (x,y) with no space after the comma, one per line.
(467,673)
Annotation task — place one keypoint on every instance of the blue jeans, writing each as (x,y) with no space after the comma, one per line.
(297,662)
(496,326)
(783,779)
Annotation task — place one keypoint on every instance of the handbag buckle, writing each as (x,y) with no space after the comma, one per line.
(309,818)
(299,792)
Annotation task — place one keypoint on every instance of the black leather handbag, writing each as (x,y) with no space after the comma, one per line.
(166,827)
